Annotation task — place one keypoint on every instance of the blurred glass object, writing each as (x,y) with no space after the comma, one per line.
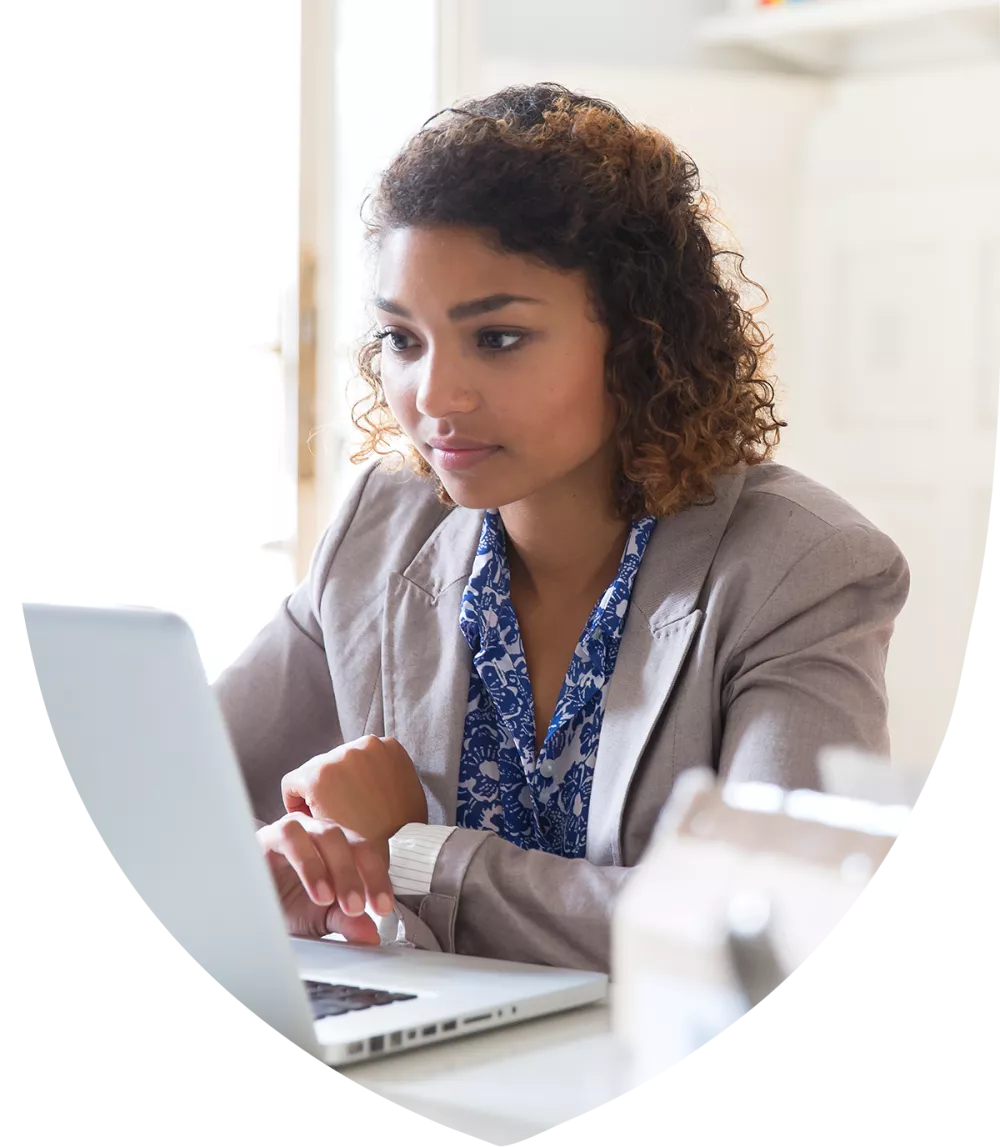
(739,885)
(751,948)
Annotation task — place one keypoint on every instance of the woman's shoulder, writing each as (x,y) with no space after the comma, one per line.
(788,530)
(778,494)
(771,535)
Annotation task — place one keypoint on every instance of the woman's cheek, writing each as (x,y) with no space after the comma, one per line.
(402,406)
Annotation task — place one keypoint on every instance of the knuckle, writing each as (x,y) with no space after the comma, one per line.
(371,861)
(290,827)
(300,777)
(305,776)
(332,834)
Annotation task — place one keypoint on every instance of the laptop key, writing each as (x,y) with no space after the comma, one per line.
(353,1005)
(339,999)
(322,1011)
(369,996)
(321,988)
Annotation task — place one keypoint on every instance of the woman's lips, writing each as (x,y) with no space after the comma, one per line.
(454,459)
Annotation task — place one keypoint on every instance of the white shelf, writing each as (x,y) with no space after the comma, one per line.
(836,35)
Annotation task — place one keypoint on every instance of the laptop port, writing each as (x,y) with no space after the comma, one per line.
(477,1019)
(376,1043)
(355,1048)
(432,1030)
(396,1039)
(411,1035)
(449,1026)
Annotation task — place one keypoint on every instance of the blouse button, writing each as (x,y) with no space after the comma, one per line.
(545,768)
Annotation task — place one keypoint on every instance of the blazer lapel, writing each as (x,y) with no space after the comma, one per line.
(426,662)
(662,621)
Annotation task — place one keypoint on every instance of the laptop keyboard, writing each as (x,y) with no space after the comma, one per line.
(339,999)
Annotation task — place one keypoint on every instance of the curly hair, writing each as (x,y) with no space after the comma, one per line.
(566,178)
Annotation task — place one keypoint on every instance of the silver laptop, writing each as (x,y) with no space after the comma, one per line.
(145,743)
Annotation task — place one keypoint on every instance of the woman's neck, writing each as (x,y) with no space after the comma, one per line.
(565,540)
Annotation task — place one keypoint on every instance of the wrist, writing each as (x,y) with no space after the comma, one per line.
(405,824)
(414,812)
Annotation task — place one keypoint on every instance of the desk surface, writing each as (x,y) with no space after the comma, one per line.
(506,1085)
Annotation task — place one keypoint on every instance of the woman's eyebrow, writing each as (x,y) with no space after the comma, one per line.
(460,311)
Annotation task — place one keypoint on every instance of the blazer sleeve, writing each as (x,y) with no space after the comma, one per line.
(490,898)
(807,671)
(277,698)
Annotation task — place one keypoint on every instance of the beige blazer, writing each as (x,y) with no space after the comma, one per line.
(757,634)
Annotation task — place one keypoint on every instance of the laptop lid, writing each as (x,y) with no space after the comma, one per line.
(146,746)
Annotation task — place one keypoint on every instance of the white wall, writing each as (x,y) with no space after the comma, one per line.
(631,33)
(899,270)
(658,35)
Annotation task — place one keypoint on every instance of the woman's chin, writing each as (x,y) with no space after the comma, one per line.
(470,495)
(474,493)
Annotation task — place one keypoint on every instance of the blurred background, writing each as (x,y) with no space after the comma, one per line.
(200,283)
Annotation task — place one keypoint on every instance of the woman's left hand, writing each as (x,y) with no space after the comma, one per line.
(369,786)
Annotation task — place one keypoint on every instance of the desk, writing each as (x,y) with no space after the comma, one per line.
(511,1083)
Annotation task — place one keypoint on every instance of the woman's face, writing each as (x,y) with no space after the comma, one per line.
(493,365)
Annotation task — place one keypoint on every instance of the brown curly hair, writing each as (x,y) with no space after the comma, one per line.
(566,178)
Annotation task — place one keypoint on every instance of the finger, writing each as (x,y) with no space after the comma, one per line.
(299,849)
(374,871)
(356,929)
(293,793)
(338,857)
(314,788)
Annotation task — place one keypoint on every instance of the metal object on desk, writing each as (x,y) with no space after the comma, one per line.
(740,883)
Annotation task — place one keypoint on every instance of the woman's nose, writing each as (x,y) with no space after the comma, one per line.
(445,387)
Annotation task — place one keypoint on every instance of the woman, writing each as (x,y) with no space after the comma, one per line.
(593,577)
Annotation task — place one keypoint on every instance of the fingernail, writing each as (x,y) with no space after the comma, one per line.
(383,904)
(355,904)
(324,891)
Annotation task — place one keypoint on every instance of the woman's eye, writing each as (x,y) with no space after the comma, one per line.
(396,340)
(500,340)
(399,342)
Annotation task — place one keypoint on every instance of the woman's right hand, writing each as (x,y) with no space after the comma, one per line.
(323,877)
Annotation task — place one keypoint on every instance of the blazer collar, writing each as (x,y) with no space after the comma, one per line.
(680,552)
(448,554)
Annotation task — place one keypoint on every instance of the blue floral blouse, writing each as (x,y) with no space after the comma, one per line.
(541,801)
